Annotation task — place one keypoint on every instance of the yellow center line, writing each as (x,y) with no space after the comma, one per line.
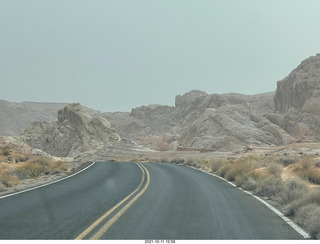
(111,221)
(104,216)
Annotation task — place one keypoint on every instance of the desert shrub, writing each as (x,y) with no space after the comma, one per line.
(286,161)
(7,179)
(204,163)
(312,196)
(23,159)
(252,159)
(311,174)
(237,170)
(306,161)
(5,152)
(59,165)
(269,187)
(39,166)
(274,169)
(177,161)
(250,184)
(216,164)
(240,180)
(190,162)
(164,160)
(194,163)
(292,190)
(2,187)
(31,170)
(308,217)
(223,170)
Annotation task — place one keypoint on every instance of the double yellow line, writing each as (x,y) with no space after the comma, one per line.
(105,227)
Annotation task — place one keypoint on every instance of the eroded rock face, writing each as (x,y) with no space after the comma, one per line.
(302,84)
(297,100)
(229,120)
(201,120)
(74,133)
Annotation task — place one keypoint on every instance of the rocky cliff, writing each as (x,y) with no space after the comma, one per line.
(75,132)
(301,85)
(297,101)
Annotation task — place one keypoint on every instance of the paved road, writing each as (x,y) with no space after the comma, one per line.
(139,201)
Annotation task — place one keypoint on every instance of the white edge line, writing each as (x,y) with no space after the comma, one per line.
(46,184)
(297,228)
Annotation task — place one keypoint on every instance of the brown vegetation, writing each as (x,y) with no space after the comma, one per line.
(15,167)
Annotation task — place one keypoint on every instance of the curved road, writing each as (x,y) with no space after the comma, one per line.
(131,201)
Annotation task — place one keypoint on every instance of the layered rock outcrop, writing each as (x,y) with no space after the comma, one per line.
(301,85)
(229,120)
(297,101)
(75,132)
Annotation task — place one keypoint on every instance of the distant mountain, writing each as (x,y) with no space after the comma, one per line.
(198,120)
(14,117)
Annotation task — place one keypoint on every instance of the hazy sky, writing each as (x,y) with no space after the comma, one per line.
(116,55)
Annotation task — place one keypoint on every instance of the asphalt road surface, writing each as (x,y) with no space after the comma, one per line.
(145,201)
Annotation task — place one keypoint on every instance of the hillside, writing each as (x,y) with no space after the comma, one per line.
(198,120)
(14,117)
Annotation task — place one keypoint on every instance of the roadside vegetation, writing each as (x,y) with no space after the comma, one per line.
(15,167)
(290,183)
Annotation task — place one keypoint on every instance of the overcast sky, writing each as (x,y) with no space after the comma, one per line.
(116,55)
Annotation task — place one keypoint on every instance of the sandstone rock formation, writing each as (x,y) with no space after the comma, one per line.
(301,85)
(297,101)
(75,132)
(229,120)
(149,126)
(200,120)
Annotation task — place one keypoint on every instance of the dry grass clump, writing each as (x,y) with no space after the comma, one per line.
(292,189)
(7,178)
(39,166)
(216,164)
(287,160)
(306,212)
(311,174)
(12,172)
(308,217)
(177,161)
(309,171)
(274,168)
(244,171)
(269,187)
